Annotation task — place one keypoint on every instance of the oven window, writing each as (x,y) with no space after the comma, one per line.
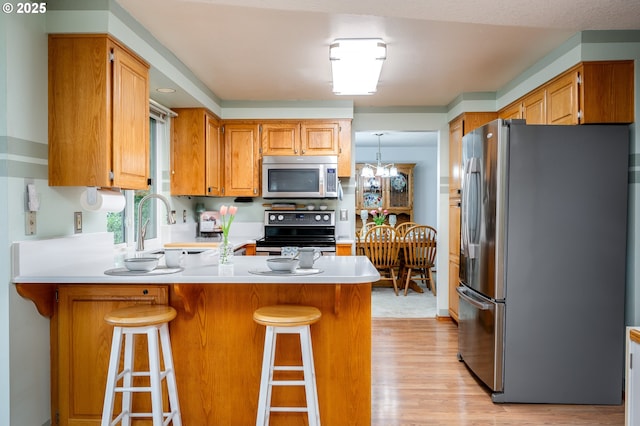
(294,180)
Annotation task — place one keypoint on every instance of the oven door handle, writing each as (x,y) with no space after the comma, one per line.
(473,300)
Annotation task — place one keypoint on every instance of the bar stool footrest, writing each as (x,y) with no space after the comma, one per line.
(289,409)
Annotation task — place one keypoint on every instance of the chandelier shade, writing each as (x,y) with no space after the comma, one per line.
(379,169)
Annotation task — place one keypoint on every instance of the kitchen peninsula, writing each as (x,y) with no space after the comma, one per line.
(217,347)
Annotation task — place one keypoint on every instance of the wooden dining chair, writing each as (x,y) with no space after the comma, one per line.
(401,228)
(419,245)
(360,237)
(381,247)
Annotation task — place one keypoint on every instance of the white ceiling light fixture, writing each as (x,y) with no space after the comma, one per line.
(379,170)
(356,64)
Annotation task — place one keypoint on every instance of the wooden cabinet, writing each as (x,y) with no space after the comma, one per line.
(81,343)
(454,256)
(455,156)
(98,113)
(588,93)
(394,194)
(300,138)
(196,153)
(534,107)
(511,111)
(241,159)
(343,249)
(309,137)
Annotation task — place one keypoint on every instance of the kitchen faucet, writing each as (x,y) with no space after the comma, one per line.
(142,228)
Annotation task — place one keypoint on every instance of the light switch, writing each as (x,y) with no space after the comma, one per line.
(343,215)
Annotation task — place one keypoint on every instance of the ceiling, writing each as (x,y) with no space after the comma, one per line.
(278,50)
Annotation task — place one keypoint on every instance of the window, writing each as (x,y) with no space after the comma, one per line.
(124,224)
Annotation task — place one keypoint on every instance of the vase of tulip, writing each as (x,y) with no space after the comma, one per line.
(379,216)
(227,214)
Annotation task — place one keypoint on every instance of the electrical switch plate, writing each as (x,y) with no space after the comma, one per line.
(77,222)
(343,215)
(30,223)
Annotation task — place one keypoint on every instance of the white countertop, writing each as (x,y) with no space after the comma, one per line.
(83,260)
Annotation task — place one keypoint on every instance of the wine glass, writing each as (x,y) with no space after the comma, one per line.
(393,219)
(364,215)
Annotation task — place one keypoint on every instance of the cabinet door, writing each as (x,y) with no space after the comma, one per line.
(79,112)
(98,113)
(344,152)
(454,301)
(455,157)
(562,100)
(242,161)
(214,162)
(84,344)
(454,255)
(513,111)
(400,188)
(319,138)
(130,121)
(282,138)
(188,152)
(534,107)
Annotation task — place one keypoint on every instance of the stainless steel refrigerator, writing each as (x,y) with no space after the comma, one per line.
(543,258)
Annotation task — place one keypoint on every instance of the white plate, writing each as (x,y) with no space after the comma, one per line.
(160,270)
(297,272)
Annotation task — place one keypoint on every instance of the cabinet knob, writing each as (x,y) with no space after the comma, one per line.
(145,291)
(173,172)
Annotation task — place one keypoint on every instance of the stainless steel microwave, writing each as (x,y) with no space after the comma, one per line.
(313,176)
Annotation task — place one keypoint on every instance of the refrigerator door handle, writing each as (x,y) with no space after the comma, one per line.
(474,301)
(472,166)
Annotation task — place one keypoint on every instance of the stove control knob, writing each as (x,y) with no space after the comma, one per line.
(325,218)
(272,217)
(280,217)
(318,217)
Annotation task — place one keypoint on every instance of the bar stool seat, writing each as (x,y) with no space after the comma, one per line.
(152,321)
(287,319)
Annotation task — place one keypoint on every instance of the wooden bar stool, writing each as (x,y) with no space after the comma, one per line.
(287,319)
(152,321)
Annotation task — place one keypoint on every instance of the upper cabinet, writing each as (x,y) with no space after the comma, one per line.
(588,93)
(309,137)
(196,153)
(459,127)
(98,113)
(241,159)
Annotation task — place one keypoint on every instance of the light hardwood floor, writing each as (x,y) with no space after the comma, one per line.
(417,380)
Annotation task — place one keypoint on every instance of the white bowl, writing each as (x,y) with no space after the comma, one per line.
(143,264)
(282,264)
(310,207)
(323,207)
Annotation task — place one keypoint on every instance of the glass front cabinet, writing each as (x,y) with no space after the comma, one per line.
(394,194)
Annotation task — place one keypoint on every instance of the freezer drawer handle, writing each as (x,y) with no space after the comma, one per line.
(474,301)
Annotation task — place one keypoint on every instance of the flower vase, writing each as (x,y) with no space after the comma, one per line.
(225,253)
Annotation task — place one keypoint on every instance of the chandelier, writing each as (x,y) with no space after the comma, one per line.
(379,169)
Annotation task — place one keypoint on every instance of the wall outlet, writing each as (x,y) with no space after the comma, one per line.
(30,223)
(77,222)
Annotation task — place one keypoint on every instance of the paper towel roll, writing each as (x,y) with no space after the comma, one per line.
(106,201)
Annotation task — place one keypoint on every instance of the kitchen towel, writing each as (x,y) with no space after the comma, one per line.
(106,201)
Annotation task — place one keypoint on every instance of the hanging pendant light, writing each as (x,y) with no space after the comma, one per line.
(379,169)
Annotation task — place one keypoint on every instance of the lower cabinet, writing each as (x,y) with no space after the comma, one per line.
(632,380)
(81,344)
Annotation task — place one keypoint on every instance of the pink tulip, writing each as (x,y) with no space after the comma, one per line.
(233,210)
(223,210)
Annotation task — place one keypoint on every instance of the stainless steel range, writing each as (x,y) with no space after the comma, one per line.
(295,228)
